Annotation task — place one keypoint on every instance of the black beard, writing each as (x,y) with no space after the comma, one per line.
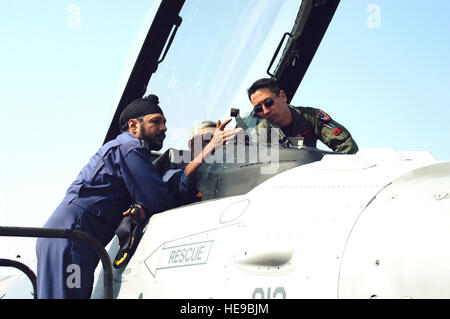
(150,141)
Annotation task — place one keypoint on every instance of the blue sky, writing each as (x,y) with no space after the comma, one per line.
(63,64)
(388,85)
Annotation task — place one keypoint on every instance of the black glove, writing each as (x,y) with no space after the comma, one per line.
(129,232)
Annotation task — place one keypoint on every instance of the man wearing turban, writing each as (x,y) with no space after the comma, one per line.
(120,173)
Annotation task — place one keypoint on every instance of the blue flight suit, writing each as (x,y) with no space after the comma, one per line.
(171,165)
(119,174)
(182,189)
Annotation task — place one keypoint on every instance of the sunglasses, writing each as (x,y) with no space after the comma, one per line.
(267,103)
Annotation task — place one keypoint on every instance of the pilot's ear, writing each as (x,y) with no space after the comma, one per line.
(283,96)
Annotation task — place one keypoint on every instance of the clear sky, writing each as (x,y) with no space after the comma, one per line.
(382,70)
(388,82)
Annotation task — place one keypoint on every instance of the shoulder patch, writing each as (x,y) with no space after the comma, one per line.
(321,115)
(337,131)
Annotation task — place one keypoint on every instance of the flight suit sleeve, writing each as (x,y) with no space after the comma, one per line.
(182,188)
(333,134)
(144,183)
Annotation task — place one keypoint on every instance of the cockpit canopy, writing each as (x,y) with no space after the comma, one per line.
(239,166)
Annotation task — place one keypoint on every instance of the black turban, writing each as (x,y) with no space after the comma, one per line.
(138,108)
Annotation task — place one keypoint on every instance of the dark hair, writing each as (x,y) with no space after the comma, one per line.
(268,83)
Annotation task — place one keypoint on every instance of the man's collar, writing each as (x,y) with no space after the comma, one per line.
(293,114)
(128,135)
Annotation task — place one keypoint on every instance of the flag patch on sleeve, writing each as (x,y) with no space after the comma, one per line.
(321,115)
(337,131)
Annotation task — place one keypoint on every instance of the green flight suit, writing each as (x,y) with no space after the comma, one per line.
(314,124)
